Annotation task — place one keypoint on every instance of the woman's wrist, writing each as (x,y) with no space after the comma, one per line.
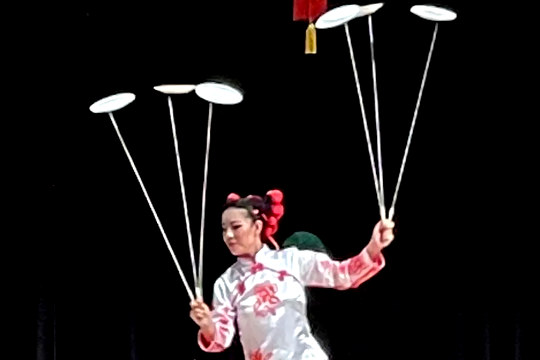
(208,332)
(373,249)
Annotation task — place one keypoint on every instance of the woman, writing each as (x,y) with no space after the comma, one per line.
(264,290)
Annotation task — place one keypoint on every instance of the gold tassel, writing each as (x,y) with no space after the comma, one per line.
(311,39)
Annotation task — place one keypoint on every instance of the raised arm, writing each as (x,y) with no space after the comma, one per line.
(319,270)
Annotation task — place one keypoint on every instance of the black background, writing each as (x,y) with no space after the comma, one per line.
(460,275)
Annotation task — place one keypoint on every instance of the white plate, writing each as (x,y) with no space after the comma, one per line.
(112,103)
(219,93)
(370,9)
(433,13)
(343,14)
(174,89)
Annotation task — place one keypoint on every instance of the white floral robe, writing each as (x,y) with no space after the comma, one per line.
(266,295)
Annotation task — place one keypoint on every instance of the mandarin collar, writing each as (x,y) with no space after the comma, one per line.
(259,256)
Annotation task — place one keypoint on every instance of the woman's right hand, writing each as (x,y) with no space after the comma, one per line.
(202,316)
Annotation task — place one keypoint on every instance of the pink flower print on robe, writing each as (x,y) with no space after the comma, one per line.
(357,265)
(266,299)
(241,287)
(258,355)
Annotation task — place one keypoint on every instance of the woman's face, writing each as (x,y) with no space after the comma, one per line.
(241,233)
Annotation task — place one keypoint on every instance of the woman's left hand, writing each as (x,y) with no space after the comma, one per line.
(382,236)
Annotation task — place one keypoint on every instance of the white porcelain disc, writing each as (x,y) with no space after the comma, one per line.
(174,89)
(343,14)
(112,103)
(433,13)
(219,93)
(338,16)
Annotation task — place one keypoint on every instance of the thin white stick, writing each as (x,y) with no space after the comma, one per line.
(151,206)
(375,93)
(366,130)
(199,285)
(391,211)
(184,201)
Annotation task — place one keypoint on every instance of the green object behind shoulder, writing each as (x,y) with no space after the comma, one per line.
(304,240)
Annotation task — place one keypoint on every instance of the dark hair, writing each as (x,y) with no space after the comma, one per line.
(268,208)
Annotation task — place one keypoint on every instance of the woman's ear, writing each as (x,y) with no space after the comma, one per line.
(259,226)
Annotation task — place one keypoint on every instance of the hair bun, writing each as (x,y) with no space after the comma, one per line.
(276,196)
(277,210)
(272,221)
(233,197)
